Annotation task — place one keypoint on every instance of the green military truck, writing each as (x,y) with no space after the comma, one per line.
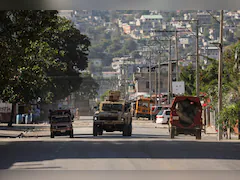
(113,114)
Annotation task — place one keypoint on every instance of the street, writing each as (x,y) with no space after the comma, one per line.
(149,148)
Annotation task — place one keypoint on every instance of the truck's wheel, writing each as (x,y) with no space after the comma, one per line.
(130,130)
(71,134)
(198,134)
(95,130)
(52,135)
(172,133)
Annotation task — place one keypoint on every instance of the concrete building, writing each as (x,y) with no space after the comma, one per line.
(66,13)
(204,18)
(209,51)
(150,22)
(84,13)
(141,79)
(110,75)
(126,28)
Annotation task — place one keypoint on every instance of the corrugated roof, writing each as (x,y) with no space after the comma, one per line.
(153,16)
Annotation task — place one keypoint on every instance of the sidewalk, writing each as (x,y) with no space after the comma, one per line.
(211,130)
(20,129)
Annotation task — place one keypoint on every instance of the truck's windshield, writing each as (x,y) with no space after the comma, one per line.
(112,107)
(61,119)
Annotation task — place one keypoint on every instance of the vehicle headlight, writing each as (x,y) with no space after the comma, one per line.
(95,118)
(122,119)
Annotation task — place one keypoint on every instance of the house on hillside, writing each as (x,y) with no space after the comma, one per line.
(209,51)
(150,22)
(204,18)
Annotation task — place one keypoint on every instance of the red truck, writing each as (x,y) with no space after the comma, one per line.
(186,116)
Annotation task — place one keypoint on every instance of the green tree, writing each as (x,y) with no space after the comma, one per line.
(88,88)
(231,85)
(130,45)
(188,76)
(36,47)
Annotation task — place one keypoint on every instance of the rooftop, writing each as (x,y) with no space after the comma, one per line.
(113,72)
(211,48)
(152,16)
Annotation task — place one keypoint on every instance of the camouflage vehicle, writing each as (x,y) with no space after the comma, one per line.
(112,115)
(61,123)
(186,116)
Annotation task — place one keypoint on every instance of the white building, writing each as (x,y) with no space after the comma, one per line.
(110,75)
(66,13)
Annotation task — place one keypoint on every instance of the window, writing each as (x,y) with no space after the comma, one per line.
(147,84)
(145,104)
(61,119)
(160,112)
(112,107)
(167,112)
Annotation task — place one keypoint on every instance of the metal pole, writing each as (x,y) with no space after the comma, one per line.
(159,81)
(220,71)
(155,74)
(150,82)
(126,81)
(197,61)
(169,73)
(150,76)
(176,54)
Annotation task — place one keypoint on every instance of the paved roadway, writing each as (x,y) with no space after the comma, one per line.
(149,148)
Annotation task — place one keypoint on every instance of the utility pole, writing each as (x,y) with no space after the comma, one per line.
(169,63)
(220,71)
(126,81)
(176,54)
(169,74)
(150,82)
(150,75)
(159,66)
(197,53)
(197,61)
(155,74)
(159,81)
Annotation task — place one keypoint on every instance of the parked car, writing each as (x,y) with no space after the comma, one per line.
(156,109)
(163,116)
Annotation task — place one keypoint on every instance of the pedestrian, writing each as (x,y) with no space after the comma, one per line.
(225,130)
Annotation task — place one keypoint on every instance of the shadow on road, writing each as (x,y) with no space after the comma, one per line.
(119,136)
(107,136)
(37,151)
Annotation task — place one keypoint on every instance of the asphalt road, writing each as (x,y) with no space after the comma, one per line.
(149,148)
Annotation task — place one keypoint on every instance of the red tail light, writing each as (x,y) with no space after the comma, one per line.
(158,116)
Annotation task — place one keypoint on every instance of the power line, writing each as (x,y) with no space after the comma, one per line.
(213,16)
